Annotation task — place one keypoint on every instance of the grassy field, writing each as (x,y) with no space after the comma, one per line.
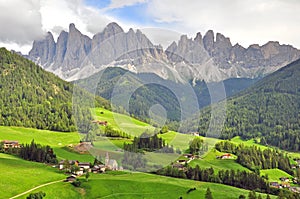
(122,122)
(274,174)
(57,140)
(181,141)
(210,160)
(140,185)
(18,175)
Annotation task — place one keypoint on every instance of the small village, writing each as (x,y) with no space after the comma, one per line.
(76,168)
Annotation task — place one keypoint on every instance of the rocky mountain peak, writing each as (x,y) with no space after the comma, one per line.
(43,50)
(113,29)
(208,41)
(198,38)
(211,57)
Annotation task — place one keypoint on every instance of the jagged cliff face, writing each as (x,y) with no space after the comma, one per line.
(211,57)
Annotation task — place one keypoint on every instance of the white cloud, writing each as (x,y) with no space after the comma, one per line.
(58,14)
(122,3)
(20,21)
(23,21)
(246,22)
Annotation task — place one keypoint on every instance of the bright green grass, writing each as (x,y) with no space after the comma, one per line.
(274,174)
(59,190)
(122,122)
(181,141)
(210,160)
(57,140)
(18,175)
(251,142)
(141,185)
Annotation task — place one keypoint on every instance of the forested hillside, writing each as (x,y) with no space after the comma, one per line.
(152,89)
(270,110)
(32,97)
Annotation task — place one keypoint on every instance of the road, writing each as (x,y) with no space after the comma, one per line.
(30,190)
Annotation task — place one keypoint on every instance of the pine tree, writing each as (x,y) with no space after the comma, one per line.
(252,195)
(208,194)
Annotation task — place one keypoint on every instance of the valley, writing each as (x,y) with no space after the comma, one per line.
(117,116)
(152,186)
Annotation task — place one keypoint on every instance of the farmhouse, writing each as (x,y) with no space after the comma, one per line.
(298,162)
(102,123)
(98,168)
(178,166)
(284,179)
(189,156)
(195,134)
(274,184)
(295,189)
(181,161)
(71,178)
(63,163)
(84,165)
(10,144)
(225,156)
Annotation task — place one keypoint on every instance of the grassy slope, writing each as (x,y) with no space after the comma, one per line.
(210,160)
(274,174)
(18,175)
(140,185)
(57,140)
(181,141)
(122,122)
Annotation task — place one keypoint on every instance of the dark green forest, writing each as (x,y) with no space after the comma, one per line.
(32,97)
(269,110)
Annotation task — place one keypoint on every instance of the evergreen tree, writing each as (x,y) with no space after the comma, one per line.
(252,195)
(208,194)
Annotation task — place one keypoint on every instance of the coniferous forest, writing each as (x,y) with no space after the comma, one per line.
(269,110)
(32,97)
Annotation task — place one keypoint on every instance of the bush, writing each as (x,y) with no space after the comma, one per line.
(76,183)
(38,195)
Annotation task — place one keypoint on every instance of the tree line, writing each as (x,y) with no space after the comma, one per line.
(240,179)
(148,142)
(254,158)
(33,152)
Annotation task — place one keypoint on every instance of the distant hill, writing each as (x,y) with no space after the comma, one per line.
(32,97)
(149,89)
(269,110)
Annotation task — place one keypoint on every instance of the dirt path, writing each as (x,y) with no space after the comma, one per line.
(28,191)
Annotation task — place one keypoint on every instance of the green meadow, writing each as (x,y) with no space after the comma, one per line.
(274,174)
(210,160)
(140,185)
(122,122)
(57,140)
(19,175)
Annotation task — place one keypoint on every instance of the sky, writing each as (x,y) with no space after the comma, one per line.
(243,21)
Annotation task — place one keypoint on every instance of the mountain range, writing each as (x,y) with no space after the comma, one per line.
(211,57)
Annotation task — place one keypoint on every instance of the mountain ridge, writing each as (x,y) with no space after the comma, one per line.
(211,58)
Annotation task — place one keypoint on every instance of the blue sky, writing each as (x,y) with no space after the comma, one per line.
(243,21)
